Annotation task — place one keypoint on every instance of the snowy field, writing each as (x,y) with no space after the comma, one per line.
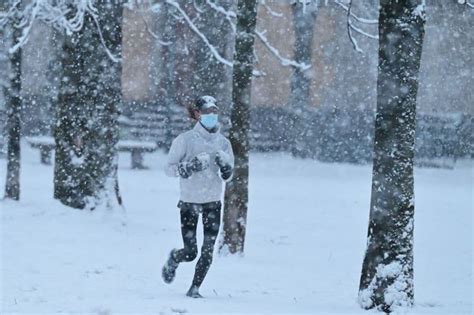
(306,238)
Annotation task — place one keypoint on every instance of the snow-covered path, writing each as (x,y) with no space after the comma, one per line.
(305,242)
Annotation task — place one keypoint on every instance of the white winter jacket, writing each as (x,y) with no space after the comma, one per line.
(206,185)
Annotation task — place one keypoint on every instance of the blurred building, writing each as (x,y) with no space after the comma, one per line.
(341,77)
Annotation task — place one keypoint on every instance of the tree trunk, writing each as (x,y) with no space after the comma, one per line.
(104,94)
(13,97)
(387,272)
(304,18)
(236,196)
(87,129)
(67,168)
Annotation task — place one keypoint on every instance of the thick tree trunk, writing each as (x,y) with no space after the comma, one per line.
(304,18)
(103,94)
(13,97)
(67,166)
(236,196)
(387,271)
(87,129)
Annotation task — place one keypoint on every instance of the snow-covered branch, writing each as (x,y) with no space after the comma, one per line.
(284,61)
(10,13)
(197,8)
(229,15)
(26,22)
(347,8)
(467,3)
(269,10)
(67,15)
(51,12)
(349,29)
(155,8)
(153,34)
(361,31)
(196,30)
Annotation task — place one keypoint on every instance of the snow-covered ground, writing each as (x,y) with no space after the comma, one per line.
(305,242)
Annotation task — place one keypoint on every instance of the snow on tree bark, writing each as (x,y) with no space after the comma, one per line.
(13,97)
(387,272)
(66,173)
(236,195)
(87,129)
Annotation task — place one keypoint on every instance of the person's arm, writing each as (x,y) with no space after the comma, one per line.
(177,167)
(175,156)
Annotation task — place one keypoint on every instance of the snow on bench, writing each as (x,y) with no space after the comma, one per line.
(47,144)
(137,148)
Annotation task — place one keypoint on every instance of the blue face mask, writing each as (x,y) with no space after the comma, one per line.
(209,120)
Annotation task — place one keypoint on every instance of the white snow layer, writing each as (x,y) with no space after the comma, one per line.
(306,238)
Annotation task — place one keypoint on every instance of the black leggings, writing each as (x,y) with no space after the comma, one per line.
(211,219)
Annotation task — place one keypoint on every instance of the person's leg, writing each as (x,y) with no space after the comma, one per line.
(189,219)
(211,218)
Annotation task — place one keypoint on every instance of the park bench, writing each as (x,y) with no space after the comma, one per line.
(153,122)
(143,129)
(137,148)
(130,141)
(45,144)
(3,147)
(3,118)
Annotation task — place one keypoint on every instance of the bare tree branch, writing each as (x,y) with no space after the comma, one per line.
(261,35)
(55,14)
(349,29)
(360,31)
(199,33)
(357,18)
(267,7)
(229,15)
(198,9)
(147,27)
(6,16)
(284,61)
(154,35)
(26,22)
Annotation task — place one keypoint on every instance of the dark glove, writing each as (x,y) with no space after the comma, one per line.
(226,169)
(184,170)
(196,164)
(226,172)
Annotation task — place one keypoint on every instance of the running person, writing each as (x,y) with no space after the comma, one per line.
(203,159)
